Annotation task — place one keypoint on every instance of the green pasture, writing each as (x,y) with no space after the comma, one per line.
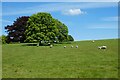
(86,61)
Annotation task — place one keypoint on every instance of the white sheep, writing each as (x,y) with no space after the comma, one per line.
(102,47)
(71,46)
(48,43)
(64,46)
(76,46)
(51,46)
(93,41)
(99,47)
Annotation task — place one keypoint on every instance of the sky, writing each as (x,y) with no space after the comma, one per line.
(60,0)
(85,20)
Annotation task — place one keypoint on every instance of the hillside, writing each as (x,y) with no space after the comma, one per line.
(86,61)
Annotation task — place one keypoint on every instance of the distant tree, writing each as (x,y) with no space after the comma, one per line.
(0,40)
(16,31)
(71,38)
(41,27)
(3,38)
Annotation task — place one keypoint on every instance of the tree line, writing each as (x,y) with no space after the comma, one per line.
(37,28)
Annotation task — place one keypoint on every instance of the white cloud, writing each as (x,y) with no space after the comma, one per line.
(73,12)
(115,18)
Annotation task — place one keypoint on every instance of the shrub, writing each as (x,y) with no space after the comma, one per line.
(3,39)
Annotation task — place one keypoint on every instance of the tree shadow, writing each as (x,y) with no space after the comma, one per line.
(29,44)
(34,44)
(45,44)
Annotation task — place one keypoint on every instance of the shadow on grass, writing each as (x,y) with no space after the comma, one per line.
(45,44)
(29,44)
(33,44)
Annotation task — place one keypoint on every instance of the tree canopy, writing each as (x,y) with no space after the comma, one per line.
(42,27)
(3,39)
(39,27)
(16,31)
(71,38)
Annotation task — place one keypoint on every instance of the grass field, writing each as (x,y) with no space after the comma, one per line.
(87,61)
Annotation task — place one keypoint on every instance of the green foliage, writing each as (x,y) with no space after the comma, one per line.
(36,28)
(71,38)
(42,27)
(4,39)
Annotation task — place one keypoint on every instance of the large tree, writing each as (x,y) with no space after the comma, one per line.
(43,27)
(16,31)
(71,38)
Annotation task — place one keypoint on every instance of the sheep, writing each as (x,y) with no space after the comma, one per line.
(55,41)
(64,46)
(76,46)
(48,43)
(93,41)
(71,46)
(99,47)
(102,47)
(51,46)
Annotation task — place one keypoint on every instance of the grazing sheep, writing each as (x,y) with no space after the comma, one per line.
(93,41)
(102,47)
(99,47)
(55,41)
(76,46)
(51,46)
(48,43)
(71,46)
(64,46)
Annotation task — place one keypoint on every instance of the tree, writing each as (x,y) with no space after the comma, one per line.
(3,38)
(63,31)
(71,38)
(16,31)
(41,27)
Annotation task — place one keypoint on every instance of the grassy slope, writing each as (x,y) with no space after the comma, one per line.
(85,62)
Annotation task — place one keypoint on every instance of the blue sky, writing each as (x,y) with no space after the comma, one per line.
(85,20)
